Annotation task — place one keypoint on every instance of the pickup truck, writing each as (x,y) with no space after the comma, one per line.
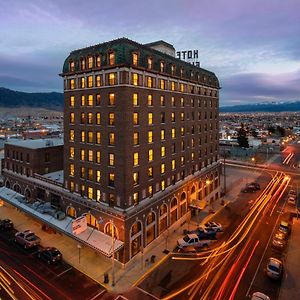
(193,240)
(27,239)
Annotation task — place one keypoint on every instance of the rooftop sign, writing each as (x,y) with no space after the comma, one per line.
(190,56)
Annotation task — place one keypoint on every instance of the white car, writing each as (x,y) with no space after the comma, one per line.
(259,296)
(217,227)
(291,199)
(274,268)
(193,240)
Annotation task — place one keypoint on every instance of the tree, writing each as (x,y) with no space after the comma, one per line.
(242,137)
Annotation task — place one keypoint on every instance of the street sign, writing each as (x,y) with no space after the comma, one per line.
(79,225)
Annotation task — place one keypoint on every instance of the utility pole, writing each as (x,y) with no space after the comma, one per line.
(113,252)
(224,163)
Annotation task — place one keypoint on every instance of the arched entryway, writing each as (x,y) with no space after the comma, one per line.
(108,229)
(136,238)
(71,212)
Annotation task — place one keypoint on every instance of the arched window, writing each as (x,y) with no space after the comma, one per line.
(183,203)
(71,211)
(150,227)
(136,236)
(163,218)
(108,230)
(174,211)
(17,188)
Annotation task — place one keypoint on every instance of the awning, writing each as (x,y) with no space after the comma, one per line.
(198,204)
(91,237)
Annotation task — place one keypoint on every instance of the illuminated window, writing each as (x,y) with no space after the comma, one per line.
(82,103)
(150,155)
(72,101)
(150,136)
(181,87)
(163,151)
(90,155)
(181,102)
(72,118)
(135,138)
(150,190)
(111,58)
(150,63)
(135,118)
(173,133)
(90,118)
(149,81)
(111,139)
(72,66)
(82,154)
(181,72)
(98,118)
(82,63)
(173,102)
(82,190)
(111,99)
(90,100)
(182,131)
(90,62)
(72,170)
(82,172)
(98,80)
(150,172)
(173,117)
(111,179)
(98,99)
(162,101)
(98,61)
(90,193)
(182,160)
(72,151)
(173,70)
(98,137)
(112,78)
(162,134)
(98,176)
(162,66)
(135,79)
(98,157)
(90,81)
(135,58)
(98,196)
(82,118)
(135,158)
(72,135)
(90,136)
(82,82)
(162,84)
(193,155)
(111,119)
(182,145)
(182,116)
(82,136)
(72,186)
(172,85)
(136,198)
(136,178)
(72,84)
(90,174)
(150,118)
(163,185)
(162,168)
(173,164)
(135,99)
(150,100)
(111,159)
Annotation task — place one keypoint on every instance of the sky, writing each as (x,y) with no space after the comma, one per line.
(253,46)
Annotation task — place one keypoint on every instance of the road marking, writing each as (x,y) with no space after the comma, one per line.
(97,295)
(147,293)
(64,272)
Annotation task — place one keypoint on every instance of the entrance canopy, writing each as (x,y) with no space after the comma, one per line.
(198,204)
(91,237)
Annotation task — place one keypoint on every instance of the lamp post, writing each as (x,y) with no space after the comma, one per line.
(113,253)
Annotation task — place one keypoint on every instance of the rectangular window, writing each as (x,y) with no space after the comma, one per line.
(150,100)
(82,118)
(111,58)
(98,99)
(162,117)
(111,119)
(98,81)
(72,151)
(111,99)
(90,193)
(162,84)
(150,63)
(82,103)
(90,156)
(181,102)
(162,66)
(90,174)
(162,168)
(82,63)
(82,82)
(98,199)
(111,179)
(112,78)
(111,159)
(135,138)
(90,100)
(181,87)
(173,133)
(149,81)
(150,118)
(173,164)
(72,84)
(150,155)
(72,66)
(90,81)
(72,118)
(90,136)
(82,190)
(135,58)
(90,118)
(136,178)
(111,139)
(98,157)
(182,131)
(172,86)
(82,172)
(135,118)
(163,151)
(182,116)
(150,190)
(173,117)
(136,198)
(135,158)
(72,186)
(173,104)
(72,101)
(82,154)
(98,61)
(135,79)
(150,136)
(173,70)
(135,99)
(72,170)
(98,137)
(98,176)
(162,101)
(90,62)
(71,135)
(162,134)
(163,185)
(98,118)
(150,172)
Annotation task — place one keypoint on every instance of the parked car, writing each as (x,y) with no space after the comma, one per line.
(6,224)
(248,189)
(254,185)
(204,233)
(193,240)
(50,255)
(259,296)
(274,268)
(27,239)
(214,226)
(285,227)
(279,240)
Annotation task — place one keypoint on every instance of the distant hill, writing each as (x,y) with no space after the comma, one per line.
(10,98)
(263,107)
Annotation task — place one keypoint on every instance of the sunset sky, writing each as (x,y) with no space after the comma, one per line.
(253,46)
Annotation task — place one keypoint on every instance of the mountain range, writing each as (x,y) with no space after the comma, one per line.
(53,100)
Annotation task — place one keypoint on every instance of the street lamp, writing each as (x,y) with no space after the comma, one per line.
(113,252)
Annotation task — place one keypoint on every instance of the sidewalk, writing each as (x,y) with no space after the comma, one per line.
(290,287)
(95,266)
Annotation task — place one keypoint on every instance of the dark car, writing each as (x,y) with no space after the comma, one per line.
(203,233)
(248,189)
(279,240)
(6,224)
(50,255)
(254,185)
